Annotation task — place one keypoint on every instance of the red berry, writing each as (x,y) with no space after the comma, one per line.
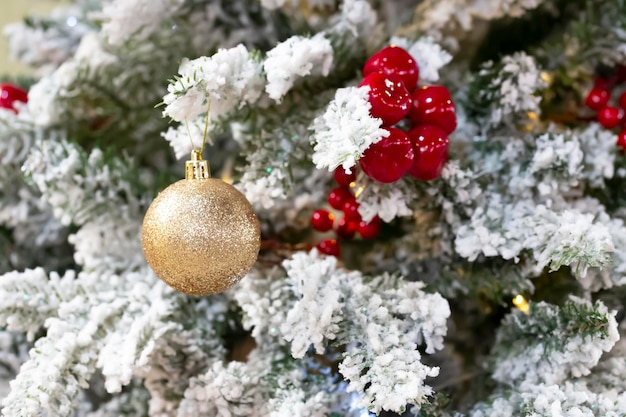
(395,61)
(328,247)
(351,210)
(622,100)
(338,197)
(343,178)
(432,105)
(609,116)
(597,98)
(390,158)
(369,230)
(389,98)
(347,228)
(601,83)
(621,141)
(621,73)
(430,144)
(9,94)
(322,220)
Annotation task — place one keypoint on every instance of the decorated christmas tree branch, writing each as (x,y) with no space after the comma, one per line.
(57,36)
(546,399)
(481,193)
(78,185)
(129,336)
(31,297)
(317,303)
(506,92)
(133,403)
(573,337)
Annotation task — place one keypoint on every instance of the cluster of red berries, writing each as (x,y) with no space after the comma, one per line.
(9,94)
(392,77)
(342,199)
(610,116)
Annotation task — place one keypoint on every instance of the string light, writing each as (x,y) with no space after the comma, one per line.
(533,120)
(532,115)
(547,77)
(359,185)
(521,303)
(227,171)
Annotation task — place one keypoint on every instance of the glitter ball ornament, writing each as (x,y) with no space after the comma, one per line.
(200,235)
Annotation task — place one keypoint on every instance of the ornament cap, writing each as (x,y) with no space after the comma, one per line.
(197,168)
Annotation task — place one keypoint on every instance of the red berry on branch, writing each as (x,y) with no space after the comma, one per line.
(369,230)
(621,141)
(347,228)
(338,197)
(622,100)
(389,98)
(597,98)
(9,94)
(601,83)
(621,73)
(430,144)
(609,116)
(343,178)
(328,247)
(351,210)
(390,158)
(432,105)
(395,61)
(322,220)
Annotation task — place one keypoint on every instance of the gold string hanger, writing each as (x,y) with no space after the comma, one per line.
(197,168)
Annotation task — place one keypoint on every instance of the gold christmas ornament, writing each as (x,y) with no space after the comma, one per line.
(200,235)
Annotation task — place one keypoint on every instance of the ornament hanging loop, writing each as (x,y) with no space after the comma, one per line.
(197,168)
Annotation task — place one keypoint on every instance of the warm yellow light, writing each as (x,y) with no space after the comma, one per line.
(359,185)
(227,171)
(546,76)
(532,115)
(520,302)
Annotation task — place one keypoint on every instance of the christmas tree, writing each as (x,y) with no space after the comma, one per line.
(438,185)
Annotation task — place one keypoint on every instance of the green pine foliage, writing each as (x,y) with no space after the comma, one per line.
(530,203)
